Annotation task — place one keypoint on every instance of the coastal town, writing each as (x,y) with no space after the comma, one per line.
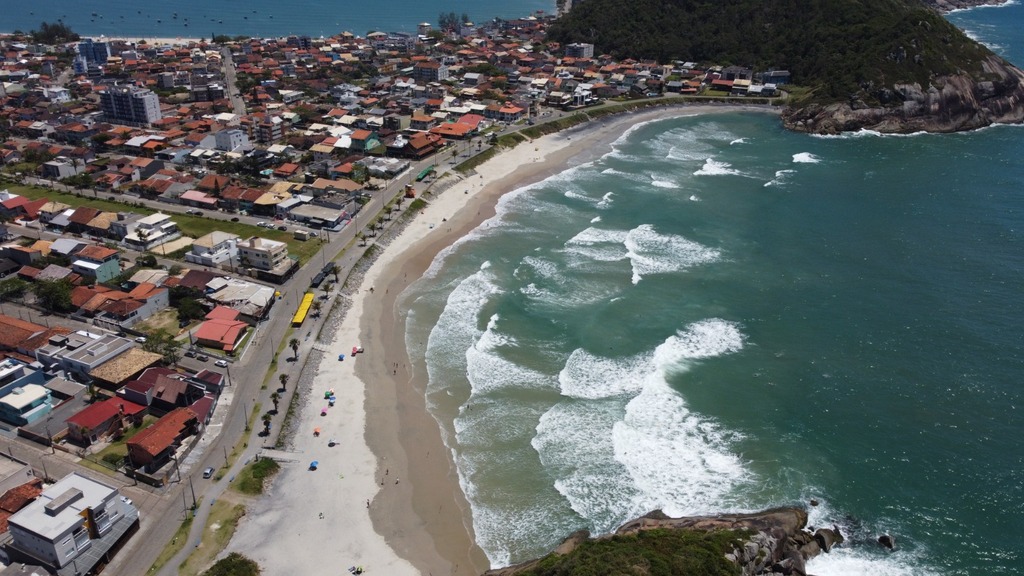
(180,217)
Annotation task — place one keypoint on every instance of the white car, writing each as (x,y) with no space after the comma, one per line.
(127,500)
(221,363)
(261,224)
(141,339)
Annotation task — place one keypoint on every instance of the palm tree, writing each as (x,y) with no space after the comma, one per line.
(316,307)
(266,422)
(284,381)
(275,398)
(294,345)
(334,270)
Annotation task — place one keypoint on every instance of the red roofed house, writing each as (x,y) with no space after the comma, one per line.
(220,333)
(102,419)
(154,446)
(17,498)
(97,262)
(222,313)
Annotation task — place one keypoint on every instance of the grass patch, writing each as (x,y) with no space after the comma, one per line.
(252,479)
(172,547)
(166,319)
(190,225)
(113,454)
(76,199)
(216,534)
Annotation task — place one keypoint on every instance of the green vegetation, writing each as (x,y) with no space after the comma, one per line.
(252,479)
(652,552)
(836,47)
(57,33)
(162,342)
(54,294)
(217,533)
(173,547)
(234,564)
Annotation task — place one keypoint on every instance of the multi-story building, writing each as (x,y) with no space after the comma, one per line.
(94,51)
(233,140)
(430,71)
(130,104)
(81,354)
(75,523)
(262,254)
(97,262)
(214,249)
(579,50)
(151,231)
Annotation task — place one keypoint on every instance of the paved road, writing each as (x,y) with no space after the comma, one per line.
(237,102)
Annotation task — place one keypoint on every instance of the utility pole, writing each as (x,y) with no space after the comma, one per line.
(192,488)
(184,504)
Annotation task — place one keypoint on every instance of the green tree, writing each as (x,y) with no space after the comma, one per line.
(234,564)
(54,295)
(12,288)
(275,398)
(283,378)
(317,306)
(189,309)
(294,345)
(163,343)
(267,418)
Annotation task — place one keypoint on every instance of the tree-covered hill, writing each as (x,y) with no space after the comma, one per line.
(836,47)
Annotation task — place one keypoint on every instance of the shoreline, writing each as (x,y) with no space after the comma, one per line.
(387,496)
(414,434)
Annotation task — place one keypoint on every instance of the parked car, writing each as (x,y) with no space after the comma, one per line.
(194,212)
(282,228)
(127,500)
(261,224)
(234,218)
(202,357)
(221,363)
(141,339)
(208,472)
(190,353)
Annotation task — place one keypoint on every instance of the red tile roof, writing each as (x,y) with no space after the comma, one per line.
(164,433)
(95,414)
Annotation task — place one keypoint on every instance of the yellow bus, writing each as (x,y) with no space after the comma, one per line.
(300,314)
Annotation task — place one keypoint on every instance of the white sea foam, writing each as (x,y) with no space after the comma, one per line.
(713,167)
(738,141)
(595,219)
(781,176)
(598,244)
(679,460)
(805,158)
(980,6)
(865,133)
(623,442)
(694,198)
(488,369)
(616,172)
(574,442)
(663,183)
(588,376)
(653,253)
(606,200)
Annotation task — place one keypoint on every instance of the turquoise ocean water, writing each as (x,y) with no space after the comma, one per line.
(720,315)
(190,18)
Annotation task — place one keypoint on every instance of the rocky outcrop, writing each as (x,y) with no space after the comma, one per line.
(950,104)
(950,5)
(779,544)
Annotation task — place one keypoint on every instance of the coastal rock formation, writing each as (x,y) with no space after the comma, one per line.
(950,103)
(950,5)
(778,542)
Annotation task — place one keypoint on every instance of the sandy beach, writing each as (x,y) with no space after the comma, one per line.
(387,497)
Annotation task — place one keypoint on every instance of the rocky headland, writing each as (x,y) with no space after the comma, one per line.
(950,103)
(775,542)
